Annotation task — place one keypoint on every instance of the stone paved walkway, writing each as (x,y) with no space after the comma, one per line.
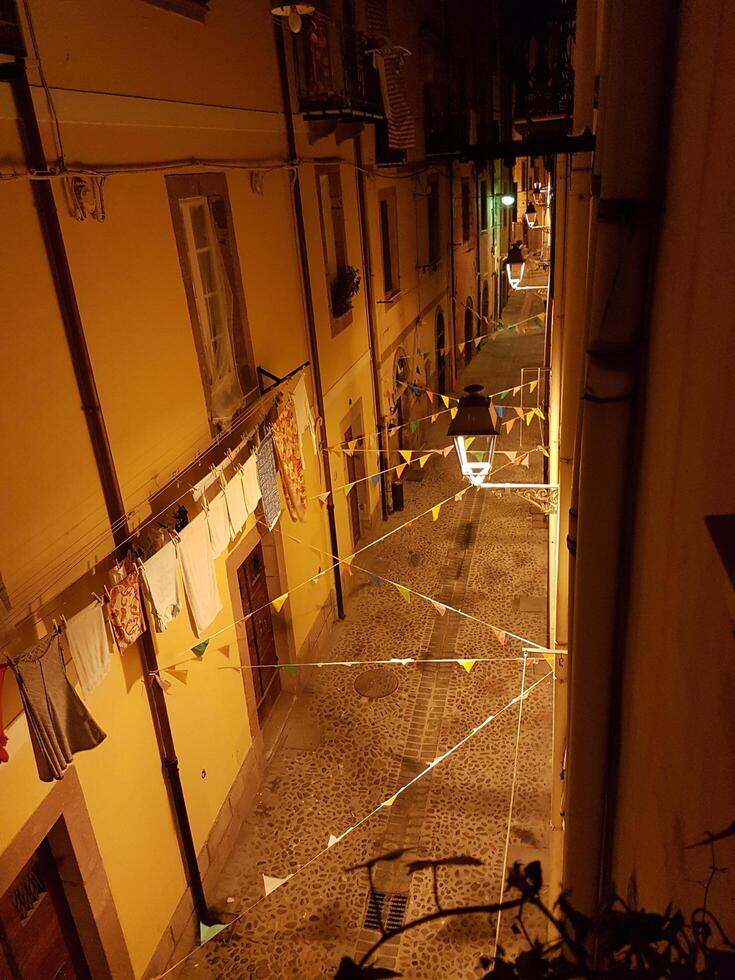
(343,754)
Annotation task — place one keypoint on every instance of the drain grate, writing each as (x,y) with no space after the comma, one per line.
(386,908)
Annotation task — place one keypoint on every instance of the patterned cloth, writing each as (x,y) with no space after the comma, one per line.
(268,483)
(125,611)
(58,721)
(290,462)
(4,757)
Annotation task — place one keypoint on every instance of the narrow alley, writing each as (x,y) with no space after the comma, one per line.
(342,752)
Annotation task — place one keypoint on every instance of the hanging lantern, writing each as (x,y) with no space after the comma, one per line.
(537,192)
(293,11)
(474,435)
(531,214)
(515,266)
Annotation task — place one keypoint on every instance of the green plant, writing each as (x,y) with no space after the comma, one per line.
(344,287)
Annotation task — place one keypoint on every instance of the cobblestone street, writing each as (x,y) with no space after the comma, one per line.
(341,754)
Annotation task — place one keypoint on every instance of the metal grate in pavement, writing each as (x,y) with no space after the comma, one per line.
(386,909)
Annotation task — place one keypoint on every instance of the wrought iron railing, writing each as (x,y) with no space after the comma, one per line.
(544,77)
(334,74)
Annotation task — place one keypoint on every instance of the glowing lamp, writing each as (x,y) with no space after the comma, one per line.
(515,266)
(537,194)
(531,214)
(508,200)
(474,435)
(293,11)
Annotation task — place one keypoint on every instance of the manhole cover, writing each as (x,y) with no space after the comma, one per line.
(376,683)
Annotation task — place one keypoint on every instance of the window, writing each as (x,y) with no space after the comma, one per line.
(194,9)
(210,268)
(389,242)
(11,38)
(483,205)
(334,238)
(466,218)
(433,222)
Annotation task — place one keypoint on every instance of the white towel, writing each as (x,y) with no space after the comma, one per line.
(236,508)
(89,647)
(250,484)
(219,524)
(161,578)
(197,566)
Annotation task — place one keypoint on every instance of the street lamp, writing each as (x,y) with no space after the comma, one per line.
(293,11)
(508,200)
(474,435)
(515,265)
(531,214)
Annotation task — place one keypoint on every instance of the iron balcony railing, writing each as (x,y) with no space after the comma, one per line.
(335,76)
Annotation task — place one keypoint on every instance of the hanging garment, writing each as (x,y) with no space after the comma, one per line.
(389,63)
(58,720)
(125,611)
(161,578)
(250,485)
(236,508)
(86,638)
(197,566)
(4,757)
(268,482)
(290,462)
(218,522)
(304,415)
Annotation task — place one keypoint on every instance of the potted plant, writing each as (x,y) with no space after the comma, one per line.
(344,287)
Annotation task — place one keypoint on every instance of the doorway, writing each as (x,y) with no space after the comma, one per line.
(261,637)
(469,317)
(38,937)
(441,354)
(484,326)
(355,466)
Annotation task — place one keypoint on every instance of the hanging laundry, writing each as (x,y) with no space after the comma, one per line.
(125,610)
(268,483)
(236,508)
(290,462)
(161,578)
(218,522)
(250,485)
(58,720)
(197,566)
(304,414)
(86,637)
(4,757)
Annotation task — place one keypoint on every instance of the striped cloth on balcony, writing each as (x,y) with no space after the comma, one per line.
(388,62)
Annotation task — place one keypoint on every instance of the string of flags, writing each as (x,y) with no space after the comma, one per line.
(272,883)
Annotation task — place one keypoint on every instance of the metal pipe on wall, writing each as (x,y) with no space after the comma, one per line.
(635,94)
(278,28)
(53,238)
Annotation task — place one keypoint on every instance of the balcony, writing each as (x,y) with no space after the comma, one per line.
(335,78)
(544,77)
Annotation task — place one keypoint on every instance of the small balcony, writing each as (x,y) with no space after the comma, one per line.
(335,77)
(544,77)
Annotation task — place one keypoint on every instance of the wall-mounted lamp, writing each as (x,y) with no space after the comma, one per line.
(515,265)
(531,215)
(474,435)
(508,200)
(293,11)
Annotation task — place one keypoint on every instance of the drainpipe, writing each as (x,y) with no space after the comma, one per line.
(635,100)
(58,259)
(308,297)
(372,333)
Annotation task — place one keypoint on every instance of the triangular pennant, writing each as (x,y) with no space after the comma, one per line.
(477,342)
(209,932)
(520,412)
(493,414)
(461,347)
(532,386)
(504,394)
(391,801)
(414,425)
(478,454)
(529,417)
(352,444)
(500,636)
(430,395)
(468,441)
(516,389)
(162,683)
(375,579)
(423,460)
(324,497)
(445,399)
(453,411)
(332,840)
(501,411)
(348,486)
(543,449)
(270,883)
(435,511)
(447,450)
(526,461)
(434,418)
(458,496)
(467,664)
(537,411)
(439,606)
(509,425)
(511,454)
(200,648)
(179,675)
(406,454)
(404,592)
(278,602)
(291,668)
(335,449)
(375,479)
(399,469)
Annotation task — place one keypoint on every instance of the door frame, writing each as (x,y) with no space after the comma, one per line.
(63,820)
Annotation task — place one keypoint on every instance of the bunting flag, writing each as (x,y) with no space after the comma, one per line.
(324,497)
(439,606)
(279,601)
(467,664)
(430,395)
(406,454)
(532,386)
(352,444)
(423,460)
(520,412)
(477,342)
(543,449)
(447,450)
(537,411)
(434,418)
(391,801)
(453,412)
(458,496)
(526,461)
(404,592)
(400,468)
(510,453)
(468,441)
(200,648)
(516,389)
(375,480)
(435,512)
(501,411)
(509,425)
(270,884)
(445,399)
(529,417)
(209,932)
(291,668)
(414,425)
(180,675)
(333,840)
(504,394)
(461,347)
(348,486)
(500,636)
(375,579)
(162,683)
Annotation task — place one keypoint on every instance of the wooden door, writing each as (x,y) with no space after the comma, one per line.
(441,355)
(353,499)
(468,324)
(37,933)
(259,631)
